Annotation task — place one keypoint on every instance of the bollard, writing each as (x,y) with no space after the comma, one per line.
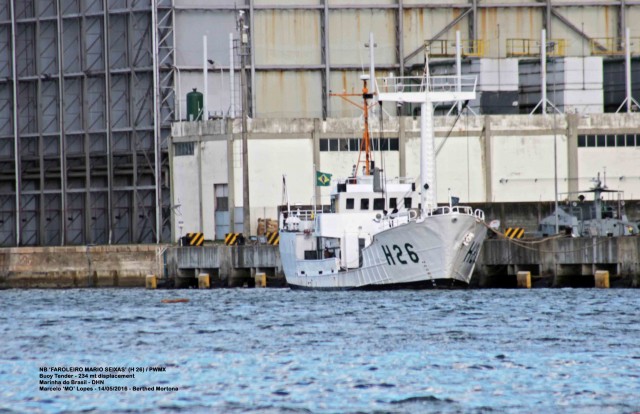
(261,279)
(524,280)
(151,282)
(602,279)
(203,281)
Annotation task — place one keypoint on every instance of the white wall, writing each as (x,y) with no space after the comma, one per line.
(186,197)
(460,168)
(519,165)
(621,165)
(270,159)
(523,167)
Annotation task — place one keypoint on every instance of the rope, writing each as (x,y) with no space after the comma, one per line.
(524,243)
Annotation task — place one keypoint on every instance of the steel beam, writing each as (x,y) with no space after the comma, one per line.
(324,52)
(62,137)
(573,27)
(16,136)
(400,36)
(440,33)
(473,20)
(107,97)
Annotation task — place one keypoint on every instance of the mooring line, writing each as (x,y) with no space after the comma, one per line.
(524,243)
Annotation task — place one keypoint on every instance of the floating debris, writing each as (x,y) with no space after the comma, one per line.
(176,300)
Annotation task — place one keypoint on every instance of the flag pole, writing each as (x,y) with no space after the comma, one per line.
(315,189)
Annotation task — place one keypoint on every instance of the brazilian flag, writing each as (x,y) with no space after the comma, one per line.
(323,179)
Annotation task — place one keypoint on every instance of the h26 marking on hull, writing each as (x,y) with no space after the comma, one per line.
(399,254)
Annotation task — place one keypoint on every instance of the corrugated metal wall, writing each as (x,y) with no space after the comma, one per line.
(80,143)
(305,49)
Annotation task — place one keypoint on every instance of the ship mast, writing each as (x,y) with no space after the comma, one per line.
(426,90)
(365,144)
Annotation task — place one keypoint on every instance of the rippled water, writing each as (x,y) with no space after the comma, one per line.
(272,351)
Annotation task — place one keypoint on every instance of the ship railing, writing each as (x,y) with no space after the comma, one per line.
(419,84)
(448,210)
(369,179)
(306,220)
(396,219)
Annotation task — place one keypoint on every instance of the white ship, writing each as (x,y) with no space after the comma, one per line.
(387,234)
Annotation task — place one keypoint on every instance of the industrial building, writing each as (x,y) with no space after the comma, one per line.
(89,90)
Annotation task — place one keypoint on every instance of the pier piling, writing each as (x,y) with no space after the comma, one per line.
(524,280)
(151,282)
(204,281)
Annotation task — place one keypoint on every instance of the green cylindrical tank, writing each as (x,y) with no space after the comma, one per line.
(194,105)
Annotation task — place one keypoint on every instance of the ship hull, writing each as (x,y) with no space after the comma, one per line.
(437,252)
(445,284)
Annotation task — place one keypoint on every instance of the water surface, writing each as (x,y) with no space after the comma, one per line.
(282,351)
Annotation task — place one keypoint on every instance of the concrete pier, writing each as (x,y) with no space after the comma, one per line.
(81,266)
(560,262)
(227,266)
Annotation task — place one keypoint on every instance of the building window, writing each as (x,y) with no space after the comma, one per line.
(378,203)
(184,148)
(350,204)
(611,140)
(353,144)
(364,204)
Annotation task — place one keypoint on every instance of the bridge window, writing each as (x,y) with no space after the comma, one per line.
(350,204)
(364,204)
(378,203)
(407,202)
(393,202)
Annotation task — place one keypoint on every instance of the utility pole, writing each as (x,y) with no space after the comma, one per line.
(244,51)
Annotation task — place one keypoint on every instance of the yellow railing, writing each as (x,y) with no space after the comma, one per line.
(447,48)
(531,47)
(612,45)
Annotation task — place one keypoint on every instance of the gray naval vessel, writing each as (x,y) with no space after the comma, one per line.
(600,217)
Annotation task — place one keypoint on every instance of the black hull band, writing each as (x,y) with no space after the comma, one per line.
(421,285)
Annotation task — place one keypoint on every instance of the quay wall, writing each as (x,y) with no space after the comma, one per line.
(560,262)
(527,215)
(79,267)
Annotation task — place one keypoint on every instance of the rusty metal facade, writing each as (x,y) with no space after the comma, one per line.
(303,49)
